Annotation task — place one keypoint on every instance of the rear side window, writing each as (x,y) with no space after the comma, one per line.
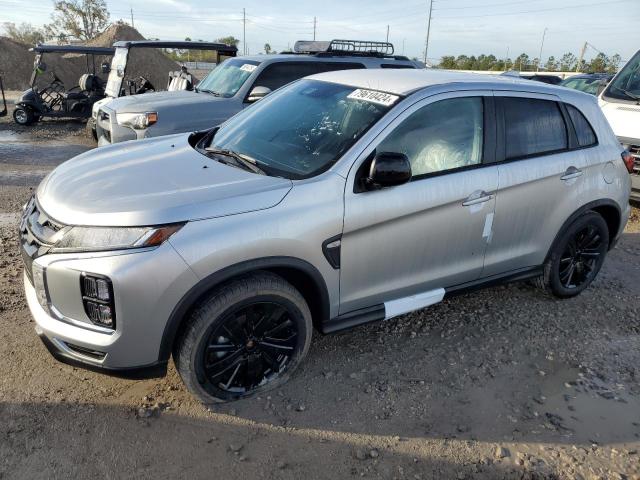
(278,74)
(533,127)
(396,65)
(333,66)
(584,132)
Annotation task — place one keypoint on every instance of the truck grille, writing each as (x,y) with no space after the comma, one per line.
(634,150)
(37,233)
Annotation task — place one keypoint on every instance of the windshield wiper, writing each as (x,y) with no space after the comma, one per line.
(241,160)
(632,96)
(215,94)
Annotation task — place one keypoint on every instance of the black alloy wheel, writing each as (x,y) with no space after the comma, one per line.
(250,347)
(581,256)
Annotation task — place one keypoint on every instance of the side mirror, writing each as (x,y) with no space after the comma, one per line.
(105,67)
(257,93)
(389,169)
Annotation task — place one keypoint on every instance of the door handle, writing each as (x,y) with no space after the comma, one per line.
(479,196)
(571,172)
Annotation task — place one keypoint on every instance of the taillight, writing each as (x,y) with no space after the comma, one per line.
(628,160)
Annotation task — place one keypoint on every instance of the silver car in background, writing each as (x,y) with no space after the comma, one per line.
(234,85)
(343,198)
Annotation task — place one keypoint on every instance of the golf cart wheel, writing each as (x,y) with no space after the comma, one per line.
(23,115)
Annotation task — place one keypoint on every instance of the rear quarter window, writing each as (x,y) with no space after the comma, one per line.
(584,132)
(533,127)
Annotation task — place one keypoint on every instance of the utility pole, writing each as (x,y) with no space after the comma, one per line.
(132,25)
(426,45)
(387,33)
(314,27)
(541,45)
(506,60)
(584,49)
(244,31)
(403,45)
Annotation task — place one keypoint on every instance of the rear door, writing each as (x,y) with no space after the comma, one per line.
(537,175)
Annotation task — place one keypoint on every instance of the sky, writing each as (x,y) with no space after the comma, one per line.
(469,27)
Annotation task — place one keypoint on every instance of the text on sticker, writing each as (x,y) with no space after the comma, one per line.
(247,67)
(372,96)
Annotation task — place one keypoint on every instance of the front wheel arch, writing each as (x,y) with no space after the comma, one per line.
(301,274)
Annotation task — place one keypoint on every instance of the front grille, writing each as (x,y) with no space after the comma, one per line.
(37,234)
(634,150)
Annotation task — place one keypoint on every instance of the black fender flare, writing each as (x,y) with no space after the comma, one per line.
(191,298)
(583,209)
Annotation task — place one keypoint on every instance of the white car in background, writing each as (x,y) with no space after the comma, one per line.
(620,102)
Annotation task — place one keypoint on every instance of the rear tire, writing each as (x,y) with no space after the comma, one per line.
(23,115)
(246,338)
(577,256)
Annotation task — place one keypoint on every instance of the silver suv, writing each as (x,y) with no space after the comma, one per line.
(343,198)
(234,85)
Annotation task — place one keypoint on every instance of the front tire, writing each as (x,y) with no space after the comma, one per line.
(576,257)
(23,115)
(246,338)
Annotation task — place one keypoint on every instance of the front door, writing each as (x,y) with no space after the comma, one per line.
(432,232)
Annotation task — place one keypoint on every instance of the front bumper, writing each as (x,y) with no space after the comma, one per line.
(147,285)
(108,130)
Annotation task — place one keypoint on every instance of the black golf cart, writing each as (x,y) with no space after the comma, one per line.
(56,100)
(3,112)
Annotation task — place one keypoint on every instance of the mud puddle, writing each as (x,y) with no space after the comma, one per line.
(20,148)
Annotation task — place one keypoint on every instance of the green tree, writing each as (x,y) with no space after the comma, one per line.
(230,40)
(521,62)
(598,63)
(83,19)
(448,62)
(267,48)
(568,62)
(613,63)
(551,65)
(24,33)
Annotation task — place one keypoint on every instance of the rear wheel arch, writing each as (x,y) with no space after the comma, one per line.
(301,274)
(607,209)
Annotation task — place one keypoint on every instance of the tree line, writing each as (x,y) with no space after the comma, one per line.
(601,63)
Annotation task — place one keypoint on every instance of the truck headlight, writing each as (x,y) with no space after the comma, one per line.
(92,239)
(137,121)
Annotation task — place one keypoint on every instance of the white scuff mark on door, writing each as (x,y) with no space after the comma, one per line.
(488,227)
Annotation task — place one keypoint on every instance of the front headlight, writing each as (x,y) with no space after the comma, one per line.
(92,239)
(138,121)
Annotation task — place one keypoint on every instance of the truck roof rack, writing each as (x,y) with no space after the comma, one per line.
(362,48)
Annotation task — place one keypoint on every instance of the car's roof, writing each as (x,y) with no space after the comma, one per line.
(406,81)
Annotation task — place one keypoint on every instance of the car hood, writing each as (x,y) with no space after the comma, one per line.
(623,118)
(158,101)
(152,182)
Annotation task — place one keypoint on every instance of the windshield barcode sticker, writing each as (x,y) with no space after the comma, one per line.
(247,67)
(372,96)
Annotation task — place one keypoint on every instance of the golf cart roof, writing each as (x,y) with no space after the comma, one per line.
(73,49)
(221,47)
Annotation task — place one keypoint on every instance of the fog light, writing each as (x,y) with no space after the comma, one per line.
(39,285)
(97,297)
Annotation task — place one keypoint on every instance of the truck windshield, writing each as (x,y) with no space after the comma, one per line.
(226,79)
(303,128)
(626,84)
(116,74)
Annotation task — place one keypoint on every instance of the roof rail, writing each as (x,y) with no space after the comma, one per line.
(345,47)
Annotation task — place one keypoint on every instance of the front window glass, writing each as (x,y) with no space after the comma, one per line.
(226,79)
(116,75)
(302,129)
(441,136)
(626,85)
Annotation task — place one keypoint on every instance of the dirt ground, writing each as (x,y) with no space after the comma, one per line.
(500,383)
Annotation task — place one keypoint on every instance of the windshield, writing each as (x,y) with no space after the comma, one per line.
(626,85)
(116,75)
(587,85)
(226,79)
(303,128)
